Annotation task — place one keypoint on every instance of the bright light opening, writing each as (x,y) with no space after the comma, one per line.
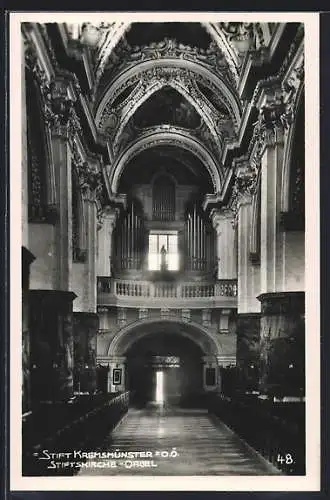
(167,241)
(159,388)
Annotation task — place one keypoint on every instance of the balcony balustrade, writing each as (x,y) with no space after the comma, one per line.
(121,292)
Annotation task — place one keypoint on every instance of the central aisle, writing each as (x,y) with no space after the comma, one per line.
(203,446)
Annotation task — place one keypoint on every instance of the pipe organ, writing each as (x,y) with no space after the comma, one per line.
(130,239)
(163,199)
(199,241)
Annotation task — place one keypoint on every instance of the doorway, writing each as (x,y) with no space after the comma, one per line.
(166,369)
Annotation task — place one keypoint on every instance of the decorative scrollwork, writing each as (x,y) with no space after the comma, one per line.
(244,187)
(159,75)
(125,56)
(90,178)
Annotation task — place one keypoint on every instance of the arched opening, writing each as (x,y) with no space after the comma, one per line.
(173,347)
(165,368)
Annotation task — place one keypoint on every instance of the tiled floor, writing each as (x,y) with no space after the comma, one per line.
(204,446)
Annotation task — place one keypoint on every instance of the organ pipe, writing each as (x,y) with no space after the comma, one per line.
(132,233)
(190,239)
(130,240)
(202,241)
(124,242)
(194,236)
(198,241)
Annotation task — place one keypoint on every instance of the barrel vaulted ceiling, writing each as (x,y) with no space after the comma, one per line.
(168,87)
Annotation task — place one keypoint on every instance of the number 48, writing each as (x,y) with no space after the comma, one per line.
(287,459)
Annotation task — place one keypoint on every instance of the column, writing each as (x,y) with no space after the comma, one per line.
(247,301)
(85,329)
(217,226)
(90,301)
(60,123)
(271,248)
(222,221)
(282,346)
(248,320)
(106,250)
(51,333)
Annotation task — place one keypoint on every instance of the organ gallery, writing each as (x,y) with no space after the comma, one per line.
(163,210)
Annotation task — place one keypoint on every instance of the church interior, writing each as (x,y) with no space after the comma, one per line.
(163,233)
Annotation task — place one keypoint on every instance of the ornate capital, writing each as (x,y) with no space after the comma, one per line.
(89,176)
(216,217)
(109,214)
(219,215)
(244,186)
(59,110)
(272,121)
(58,104)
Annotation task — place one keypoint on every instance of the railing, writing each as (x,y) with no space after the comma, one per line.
(164,290)
(197,291)
(130,288)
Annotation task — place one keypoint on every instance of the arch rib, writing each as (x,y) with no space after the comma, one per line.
(166,137)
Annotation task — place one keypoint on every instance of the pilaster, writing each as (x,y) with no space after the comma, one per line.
(60,119)
(222,221)
(105,241)
(270,131)
(244,190)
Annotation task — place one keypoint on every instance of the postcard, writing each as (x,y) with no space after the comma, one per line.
(164,183)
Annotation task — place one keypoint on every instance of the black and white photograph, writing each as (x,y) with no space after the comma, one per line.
(164,173)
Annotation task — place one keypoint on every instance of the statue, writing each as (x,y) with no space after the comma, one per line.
(163,260)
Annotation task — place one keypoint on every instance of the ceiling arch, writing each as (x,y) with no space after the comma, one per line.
(180,164)
(104,38)
(166,135)
(167,68)
(191,94)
